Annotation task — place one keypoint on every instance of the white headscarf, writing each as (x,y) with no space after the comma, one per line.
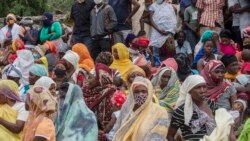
(24,61)
(45,82)
(185,97)
(11,70)
(72,57)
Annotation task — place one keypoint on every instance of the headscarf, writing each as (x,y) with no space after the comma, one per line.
(185,97)
(72,57)
(118,98)
(130,37)
(74,120)
(141,42)
(12,16)
(9,89)
(170,93)
(41,49)
(207,35)
(170,62)
(13,71)
(245,133)
(51,46)
(24,61)
(123,63)
(103,72)
(184,67)
(45,81)
(85,62)
(17,44)
(41,104)
(214,89)
(132,70)
(104,58)
(246,32)
(39,70)
(140,125)
(49,20)
(242,79)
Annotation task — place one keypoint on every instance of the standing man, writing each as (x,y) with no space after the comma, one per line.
(80,14)
(124,15)
(103,21)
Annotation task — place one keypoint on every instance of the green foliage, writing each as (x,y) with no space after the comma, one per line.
(33,7)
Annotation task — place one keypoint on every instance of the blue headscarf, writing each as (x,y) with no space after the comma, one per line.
(49,20)
(39,70)
(74,120)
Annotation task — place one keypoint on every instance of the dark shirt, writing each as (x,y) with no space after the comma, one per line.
(80,13)
(122,10)
(177,121)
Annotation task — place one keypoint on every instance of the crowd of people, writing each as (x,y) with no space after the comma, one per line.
(180,73)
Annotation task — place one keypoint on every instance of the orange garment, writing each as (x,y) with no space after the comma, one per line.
(85,62)
(52,47)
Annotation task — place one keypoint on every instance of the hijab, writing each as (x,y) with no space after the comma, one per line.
(123,63)
(214,89)
(49,19)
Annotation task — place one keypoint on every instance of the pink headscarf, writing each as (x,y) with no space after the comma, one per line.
(170,62)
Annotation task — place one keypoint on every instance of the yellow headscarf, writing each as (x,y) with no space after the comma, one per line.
(123,64)
(9,84)
(133,69)
(140,125)
(85,62)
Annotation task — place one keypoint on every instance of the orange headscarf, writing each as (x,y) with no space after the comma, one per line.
(85,62)
(52,47)
(17,44)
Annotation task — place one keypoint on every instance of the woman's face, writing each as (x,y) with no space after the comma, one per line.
(115,54)
(198,92)
(165,77)
(217,75)
(208,47)
(233,68)
(133,76)
(52,89)
(140,94)
(33,78)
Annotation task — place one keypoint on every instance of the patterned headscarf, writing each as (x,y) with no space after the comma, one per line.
(214,89)
(17,44)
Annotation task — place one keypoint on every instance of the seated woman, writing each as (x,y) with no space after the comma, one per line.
(48,83)
(12,112)
(208,55)
(167,86)
(42,106)
(219,90)
(74,120)
(184,66)
(121,60)
(194,115)
(37,71)
(136,122)
(232,67)
(98,92)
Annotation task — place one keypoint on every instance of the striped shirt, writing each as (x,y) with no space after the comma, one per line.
(177,122)
(211,12)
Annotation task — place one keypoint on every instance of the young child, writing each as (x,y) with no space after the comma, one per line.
(242,86)
(227,47)
(245,69)
(117,101)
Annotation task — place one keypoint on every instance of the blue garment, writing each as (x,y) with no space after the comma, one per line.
(122,10)
(184,4)
(74,120)
(201,53)
(39,70)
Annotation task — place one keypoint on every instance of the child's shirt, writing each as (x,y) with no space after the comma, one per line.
(245,69)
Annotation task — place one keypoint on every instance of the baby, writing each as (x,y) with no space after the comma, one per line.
(241,84)
(237,112)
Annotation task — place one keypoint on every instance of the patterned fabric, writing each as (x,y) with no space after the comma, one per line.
(170,93)
(211,12)
(105,88)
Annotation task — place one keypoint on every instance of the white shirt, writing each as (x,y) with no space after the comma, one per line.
(22,114)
